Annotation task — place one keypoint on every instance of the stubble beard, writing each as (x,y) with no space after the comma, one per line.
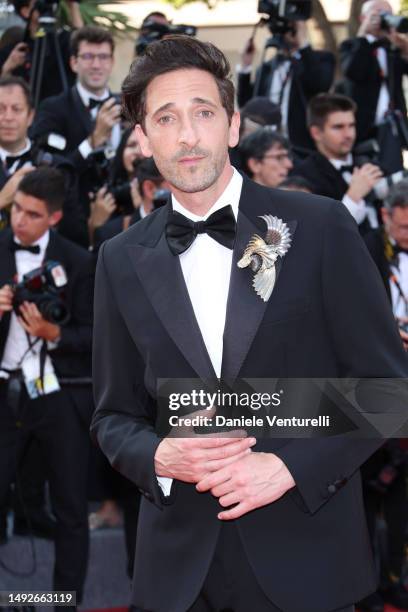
(195,178)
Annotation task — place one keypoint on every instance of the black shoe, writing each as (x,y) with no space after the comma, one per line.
(41,526)
(372,603)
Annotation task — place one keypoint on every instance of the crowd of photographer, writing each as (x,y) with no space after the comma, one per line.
(72,175)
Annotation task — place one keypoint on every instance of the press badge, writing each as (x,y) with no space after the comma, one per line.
(36,387)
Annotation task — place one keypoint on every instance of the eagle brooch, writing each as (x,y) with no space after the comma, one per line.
(261,255)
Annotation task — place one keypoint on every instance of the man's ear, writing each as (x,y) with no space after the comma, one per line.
(143,141)
(55,218)
(233,137)
(24,12)
(253,165)
(315,133)
(73,62)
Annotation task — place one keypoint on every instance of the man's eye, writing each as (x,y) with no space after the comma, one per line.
(206,114)
(165,119)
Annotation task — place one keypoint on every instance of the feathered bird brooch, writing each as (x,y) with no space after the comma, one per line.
(261,254)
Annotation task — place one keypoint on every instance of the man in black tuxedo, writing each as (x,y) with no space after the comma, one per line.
(224,524)
(331,170)
(45,368)
(18,154)
(373,65)
(88,115)
(290,79)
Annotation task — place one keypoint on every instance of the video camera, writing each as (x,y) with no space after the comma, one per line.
(44,287)
(152,31)
(281,14)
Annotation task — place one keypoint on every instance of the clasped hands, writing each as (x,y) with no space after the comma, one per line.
(225,464)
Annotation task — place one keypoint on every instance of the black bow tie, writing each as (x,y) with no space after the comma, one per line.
(347,168)
(93,103)
(181,232)
(10,159)
(35,248)
(381,42)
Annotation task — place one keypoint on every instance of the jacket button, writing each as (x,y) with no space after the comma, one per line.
(332,489)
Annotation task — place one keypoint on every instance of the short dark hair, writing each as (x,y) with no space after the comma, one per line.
(19,4)
(172,53)
(322,105)
(296,183)
(15,81)
(90,34)
(398,196)
(152,15)
(257,144)
(47,184)
(146,170)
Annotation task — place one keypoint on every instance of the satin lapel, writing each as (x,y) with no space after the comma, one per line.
(245,309)
(162,278)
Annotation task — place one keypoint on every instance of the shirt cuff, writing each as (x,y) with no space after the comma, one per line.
(53,344)
(243,69)
(165,484)
(85,148)
(357,209)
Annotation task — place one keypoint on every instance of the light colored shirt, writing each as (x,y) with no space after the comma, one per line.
(206,268)
(85,148)
(383,103)
(4,153)
(17,343)
(399,304)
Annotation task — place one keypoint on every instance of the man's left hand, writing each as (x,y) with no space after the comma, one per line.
(254,481)
(35,325)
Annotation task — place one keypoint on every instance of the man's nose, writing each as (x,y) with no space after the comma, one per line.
(188,135)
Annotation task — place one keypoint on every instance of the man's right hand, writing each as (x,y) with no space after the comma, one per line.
(9,190)
(363,180)
(191,458)
(6,299)
(16,58)
(107,117)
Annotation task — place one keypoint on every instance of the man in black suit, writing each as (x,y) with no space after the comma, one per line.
(45,367)
(266,157)
(88,115)
(18,153)
(331,170)
(280,528)
(290,79)
(373,65)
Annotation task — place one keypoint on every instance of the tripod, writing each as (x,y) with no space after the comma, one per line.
(46,38)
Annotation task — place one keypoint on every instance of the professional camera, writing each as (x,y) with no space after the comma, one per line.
(397,22)
(161,197)
(44,287)
(281,13)
(152,31)
(368,152)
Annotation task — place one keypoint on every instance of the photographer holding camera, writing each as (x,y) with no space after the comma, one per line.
(292,77)
(332,170)
(18,156)
(16,59)
(45,362)
(88,115)
(373,65)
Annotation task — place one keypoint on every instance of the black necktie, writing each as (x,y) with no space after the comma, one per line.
(181,232)
(10,159)
(94,103)
(35,248)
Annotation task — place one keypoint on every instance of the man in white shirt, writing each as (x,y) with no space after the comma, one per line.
(331,171)
(228,521)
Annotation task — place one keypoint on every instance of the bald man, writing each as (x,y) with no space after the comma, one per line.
(373,65)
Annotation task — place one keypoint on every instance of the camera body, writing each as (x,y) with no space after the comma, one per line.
(397,22)
(281,13)
(152,31)
(368,152)
(44,287)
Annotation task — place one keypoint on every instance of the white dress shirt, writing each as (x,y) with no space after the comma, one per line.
(359,210)
(383,103)
(399,305)
(85,148)
(17,344)
(206,267)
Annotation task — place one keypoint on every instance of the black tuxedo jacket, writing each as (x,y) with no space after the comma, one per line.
(326,180)
(327,316)
(72,357)
(313,73)
(363,80)
(375,244)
